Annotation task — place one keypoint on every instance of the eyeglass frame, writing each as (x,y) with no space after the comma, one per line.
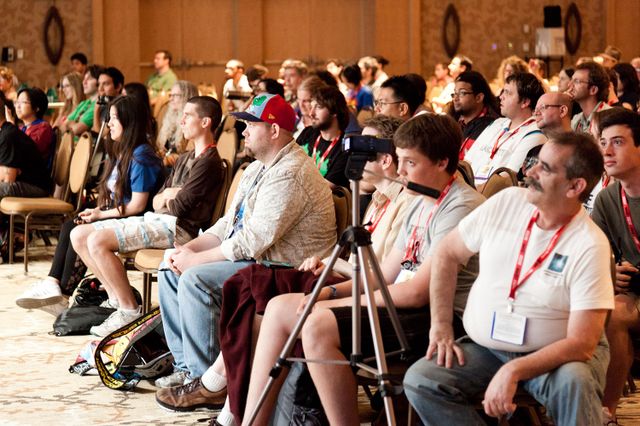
(461,93)
(379,103)
(545,107)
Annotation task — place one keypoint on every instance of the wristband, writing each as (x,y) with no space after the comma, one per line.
(333,290)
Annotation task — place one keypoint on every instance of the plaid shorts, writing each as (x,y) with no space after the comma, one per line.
(152,230)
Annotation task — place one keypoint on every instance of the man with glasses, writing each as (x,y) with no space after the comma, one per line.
(589,87)
(508,141)
(553,113)
(397,98)
(474,106)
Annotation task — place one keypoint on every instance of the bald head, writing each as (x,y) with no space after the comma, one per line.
(553,113)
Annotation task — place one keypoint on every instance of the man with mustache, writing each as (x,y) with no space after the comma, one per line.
(535,315)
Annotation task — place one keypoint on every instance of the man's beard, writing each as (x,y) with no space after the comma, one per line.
(324,125)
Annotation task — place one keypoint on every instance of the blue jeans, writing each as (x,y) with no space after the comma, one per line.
(571,393)
(190,307)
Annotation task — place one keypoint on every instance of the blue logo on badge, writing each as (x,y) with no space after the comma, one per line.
(558,262)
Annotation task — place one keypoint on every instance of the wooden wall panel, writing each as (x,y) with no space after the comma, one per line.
(623,30)
(287,31)
(121,37)
(338,30)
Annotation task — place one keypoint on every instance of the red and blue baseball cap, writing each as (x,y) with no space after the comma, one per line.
(272,109)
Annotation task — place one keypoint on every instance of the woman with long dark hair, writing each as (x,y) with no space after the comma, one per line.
(131,177)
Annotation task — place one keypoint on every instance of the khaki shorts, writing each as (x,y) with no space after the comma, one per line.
(152,230)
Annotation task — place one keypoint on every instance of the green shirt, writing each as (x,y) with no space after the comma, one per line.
(84,112)
(158,83)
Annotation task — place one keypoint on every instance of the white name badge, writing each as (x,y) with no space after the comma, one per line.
(508,327)
(404,275)
(484,172)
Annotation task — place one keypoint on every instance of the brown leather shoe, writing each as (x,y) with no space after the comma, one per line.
(190,397)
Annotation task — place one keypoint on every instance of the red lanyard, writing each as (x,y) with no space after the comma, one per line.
(325,153)
(627,218)
(605,180)
(497,145)
(207,148)
(413,244)
(376,216)
(517,282)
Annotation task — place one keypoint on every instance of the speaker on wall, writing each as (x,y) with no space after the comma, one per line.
(552,17)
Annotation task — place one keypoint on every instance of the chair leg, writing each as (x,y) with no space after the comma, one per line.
(11,238)
(146,292)
(26,243)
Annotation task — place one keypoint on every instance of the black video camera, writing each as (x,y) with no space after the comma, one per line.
(367,145)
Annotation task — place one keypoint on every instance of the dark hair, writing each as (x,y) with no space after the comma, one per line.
(139,92)
(38,99)
(208,107)
(167,54)
(256,72)
(436,136)
(404,91)
(479,85)
(528,86)
(352,74)
(80,57)
(325,76)
(381,60)
(585,162)
(386,127)
(613,78)
(628,77)
(420,85)
(623,117)
(332,98)
(94,70)
(465,61)
(6,102)
(597,77)
(568,71)
(130,113)
(115,74)
(273,87)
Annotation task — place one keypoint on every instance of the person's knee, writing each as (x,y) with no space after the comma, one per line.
(320,332)
(577,378)
(97,245)
(78,236)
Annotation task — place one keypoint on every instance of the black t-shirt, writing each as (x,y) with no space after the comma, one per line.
(17,150)
(335,163)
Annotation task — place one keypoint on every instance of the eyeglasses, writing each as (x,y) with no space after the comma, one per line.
(577,81)
(175,95)
(379,103)
(22,103)
(544,107)
(460,93)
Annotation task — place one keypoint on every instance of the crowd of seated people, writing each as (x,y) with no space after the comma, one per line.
(496,292)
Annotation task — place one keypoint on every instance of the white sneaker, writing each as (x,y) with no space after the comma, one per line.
(111,304)
(115,321)
(39,294)
(57,308)
(177,378)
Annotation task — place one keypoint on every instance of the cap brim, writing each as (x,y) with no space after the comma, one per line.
(243,115)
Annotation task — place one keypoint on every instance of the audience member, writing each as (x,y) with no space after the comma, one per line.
(110,85)
(270,86)
(255,74)
(334,67)
(7,84)
(31,107)
(307,90)
(163,78)
(457,66)
(79,64)
(181,208)
(282,211)
(474,107)
(322,141)
(372,73)
(541,329)
(73,93)
(427,148)
(507,141)
(140,94)
(589,87)
(509,66)
(81,119)
(635,63)
(553,113)
(609,57)
(438,81)
(23,171)
(171,142)
(564,78)
(236,84)
(628,88)
(397,97)
(616,211)
(420,86)
(358,97)
(294,72)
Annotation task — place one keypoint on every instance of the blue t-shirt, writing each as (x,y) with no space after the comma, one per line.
(364,98)
(145,174)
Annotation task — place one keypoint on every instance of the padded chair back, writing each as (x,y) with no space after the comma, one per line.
(218,210)
(342,205)
(228,123)
(465,170)
(80,165)
(227,145)
(63,160)
(500,179)
(234,186)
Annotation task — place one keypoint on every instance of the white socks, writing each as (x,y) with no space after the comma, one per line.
(225,418)
(212,381)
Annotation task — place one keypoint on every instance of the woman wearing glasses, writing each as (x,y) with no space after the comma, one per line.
(170,142)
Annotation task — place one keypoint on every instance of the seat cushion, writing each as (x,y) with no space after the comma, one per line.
(20,205)
(149,260)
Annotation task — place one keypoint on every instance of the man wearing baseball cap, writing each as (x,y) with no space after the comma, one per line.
(282,211)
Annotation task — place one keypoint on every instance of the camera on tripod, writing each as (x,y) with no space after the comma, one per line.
(363,148)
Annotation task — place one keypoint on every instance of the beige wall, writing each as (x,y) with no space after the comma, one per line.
(22,27)
(500,22)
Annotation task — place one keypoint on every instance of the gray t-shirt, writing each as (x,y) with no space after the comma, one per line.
(459,202)
(609,216)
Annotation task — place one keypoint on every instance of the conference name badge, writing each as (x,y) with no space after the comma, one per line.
(508,327)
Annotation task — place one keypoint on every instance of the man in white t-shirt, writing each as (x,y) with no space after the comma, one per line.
(236,84)
(507,141)
(535,315)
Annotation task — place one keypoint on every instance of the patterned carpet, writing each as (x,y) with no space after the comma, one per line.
(38,389)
